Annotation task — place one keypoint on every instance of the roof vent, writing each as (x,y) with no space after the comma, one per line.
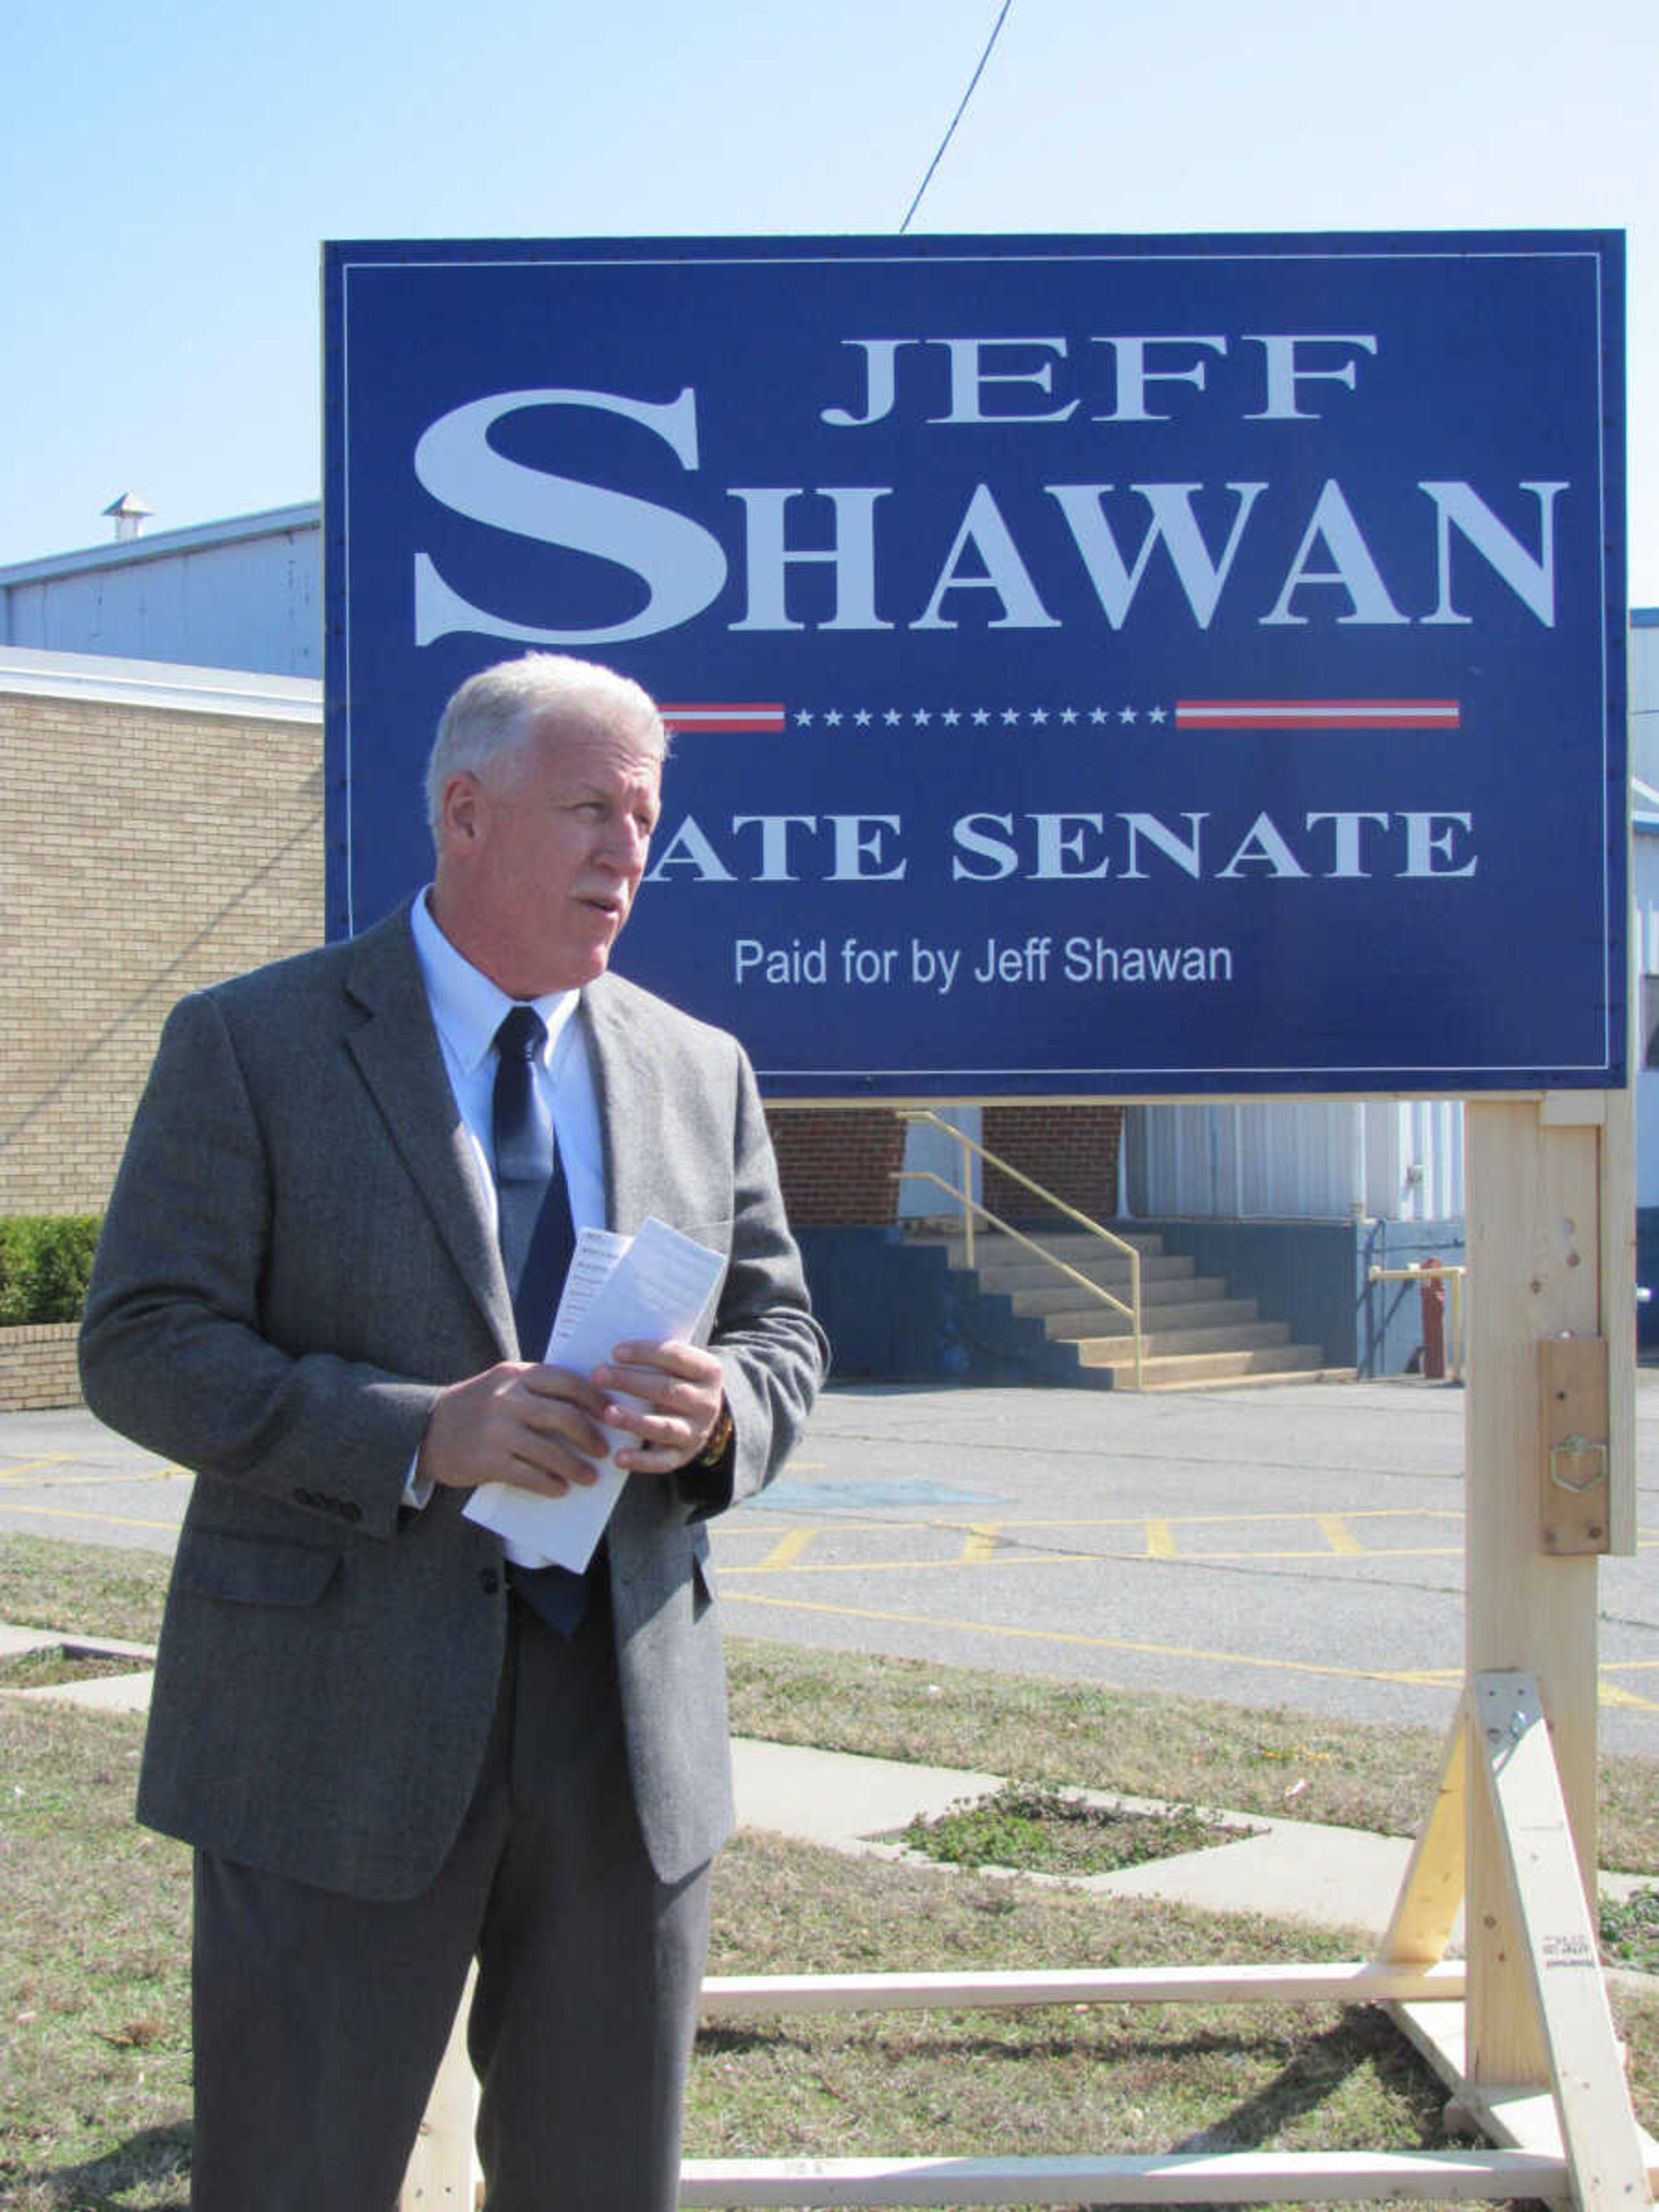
(131,514)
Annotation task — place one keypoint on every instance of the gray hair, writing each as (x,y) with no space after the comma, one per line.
(493,715)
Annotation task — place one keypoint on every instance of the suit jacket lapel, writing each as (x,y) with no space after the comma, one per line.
(397,1050)
(626,1087)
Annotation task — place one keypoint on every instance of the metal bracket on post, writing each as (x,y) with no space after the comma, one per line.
(1573,1458)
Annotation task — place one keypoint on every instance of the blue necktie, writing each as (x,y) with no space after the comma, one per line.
(533,1205)
(537,1239)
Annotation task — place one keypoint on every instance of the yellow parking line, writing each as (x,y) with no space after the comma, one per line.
(70,1480)
(30,1466)
(1448,1678)
(1003,1555)
(787,1549)
(1071,1636)
(749,1523)
(1610,1693)
(1340,1538)
(1359,1552)
(33,1471)
(98,1520)
(984,1542)
(1160,1541)
(729,1568)
(1227,1519)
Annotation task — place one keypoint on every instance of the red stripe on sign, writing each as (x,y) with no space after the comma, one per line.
(1317,714)
(766,719)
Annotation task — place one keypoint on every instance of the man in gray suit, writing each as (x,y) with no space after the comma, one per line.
(387,1760)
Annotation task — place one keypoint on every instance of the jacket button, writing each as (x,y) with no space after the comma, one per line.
(489,1581)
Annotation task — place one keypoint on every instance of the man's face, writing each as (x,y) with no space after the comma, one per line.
(541,855)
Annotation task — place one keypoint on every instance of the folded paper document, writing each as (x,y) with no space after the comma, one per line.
(644,1288)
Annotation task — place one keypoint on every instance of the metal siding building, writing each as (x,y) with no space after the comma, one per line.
(244,594)
(1644,899)
(1296,1160)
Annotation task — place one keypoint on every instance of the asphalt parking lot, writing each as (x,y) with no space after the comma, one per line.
(1298,1545)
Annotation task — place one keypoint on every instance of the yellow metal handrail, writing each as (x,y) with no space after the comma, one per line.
(970,1207)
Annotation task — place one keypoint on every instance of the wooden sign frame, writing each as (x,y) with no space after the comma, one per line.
(1521,2032)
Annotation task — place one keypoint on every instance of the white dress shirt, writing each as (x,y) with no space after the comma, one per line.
(467,1010)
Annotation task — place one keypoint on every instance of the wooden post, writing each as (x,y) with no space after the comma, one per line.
(1606,2153)
(443,2171)
(1550,1258)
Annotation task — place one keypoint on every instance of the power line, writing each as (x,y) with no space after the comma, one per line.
(961,108)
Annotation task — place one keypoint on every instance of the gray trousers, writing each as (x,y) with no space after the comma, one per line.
(321,2019)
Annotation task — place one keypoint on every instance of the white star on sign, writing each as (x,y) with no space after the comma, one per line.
(833,718)
(980,717)
(949,718)
(803,714)
(1011,715)
(891,718)
(1156,714)
(1126,713)
(1039,714)
(1068,715)
(921,718)
(1098,715)
(862,718)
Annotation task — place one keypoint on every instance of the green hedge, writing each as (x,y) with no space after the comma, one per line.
(45,1261)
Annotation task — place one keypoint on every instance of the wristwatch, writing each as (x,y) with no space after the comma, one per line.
(720,1440)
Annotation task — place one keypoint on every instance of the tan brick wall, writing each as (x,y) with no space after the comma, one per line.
(838,1165)
(147,851)
(37,1367)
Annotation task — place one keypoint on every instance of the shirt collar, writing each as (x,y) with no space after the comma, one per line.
(466,1006)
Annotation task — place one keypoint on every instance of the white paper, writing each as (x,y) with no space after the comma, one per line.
(643,1289)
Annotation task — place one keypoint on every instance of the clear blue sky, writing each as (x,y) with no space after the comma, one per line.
(167,172)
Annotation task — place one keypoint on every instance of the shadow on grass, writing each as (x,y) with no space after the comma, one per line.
(150,2169)
(1307,2083)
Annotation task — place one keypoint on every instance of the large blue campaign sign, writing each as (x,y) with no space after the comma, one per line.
(1098,665)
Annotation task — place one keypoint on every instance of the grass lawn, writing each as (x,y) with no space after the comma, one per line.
(94,2002)
(1246,1758)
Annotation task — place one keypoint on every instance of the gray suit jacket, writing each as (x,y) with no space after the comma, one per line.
(297,1257)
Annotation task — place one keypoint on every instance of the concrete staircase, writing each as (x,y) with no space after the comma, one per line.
(1196,1333)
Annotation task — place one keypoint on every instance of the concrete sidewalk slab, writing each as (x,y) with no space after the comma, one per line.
(840,1798)
(1333,1877)
(1343,1878)
(103,1693)
(113,1693)
(18,1643)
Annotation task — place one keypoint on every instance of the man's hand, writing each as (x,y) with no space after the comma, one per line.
(668,1396)
(534,1427)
